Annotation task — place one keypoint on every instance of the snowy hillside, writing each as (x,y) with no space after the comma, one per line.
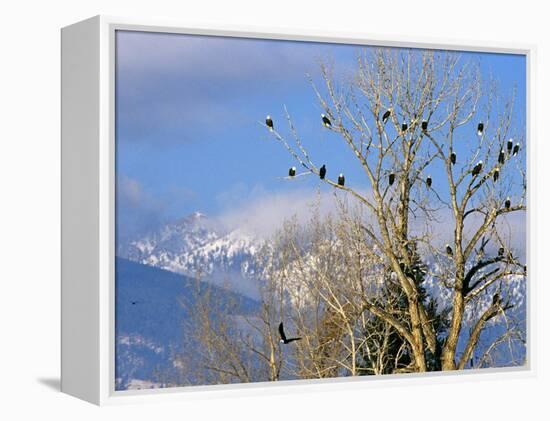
(193,246)
(149,319)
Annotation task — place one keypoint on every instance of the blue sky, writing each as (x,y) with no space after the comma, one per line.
(187,132)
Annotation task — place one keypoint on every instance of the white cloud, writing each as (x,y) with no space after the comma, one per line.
(261,213)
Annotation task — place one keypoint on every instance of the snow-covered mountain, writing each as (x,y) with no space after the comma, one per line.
(194,246)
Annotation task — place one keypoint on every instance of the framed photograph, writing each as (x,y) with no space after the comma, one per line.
(245,209)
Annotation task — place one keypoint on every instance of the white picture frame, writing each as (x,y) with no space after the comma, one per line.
(88,193)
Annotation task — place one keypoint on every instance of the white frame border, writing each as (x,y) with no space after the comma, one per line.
(107,395)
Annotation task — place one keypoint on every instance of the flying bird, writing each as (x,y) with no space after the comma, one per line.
(477,169)
(269,122)
(510,145)
(480,129)
(284,339)
(507,203)
(496,175)
(404,127)
(453,158)
(449,250)
(322,172)
(391,178)
(341,180)
(326,121)
(424,125)
(429,181)
(386,116)
(292,172)
(501,157)
(516,149)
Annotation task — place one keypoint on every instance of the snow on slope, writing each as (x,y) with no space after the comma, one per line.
(149,323)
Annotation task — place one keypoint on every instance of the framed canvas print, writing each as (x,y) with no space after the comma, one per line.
(245,210)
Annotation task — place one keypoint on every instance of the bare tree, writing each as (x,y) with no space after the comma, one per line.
(404,113)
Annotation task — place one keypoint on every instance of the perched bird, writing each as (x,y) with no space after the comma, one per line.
(322,172)
(429,181)
(292,172)
(501,252)
(453,158)
(496,299)
(269,122)
(480,129)
(326,122)
(477,169)
(507,203)
(516,149)
(501,157)
(386,116)
(391,178)
(341,180)
(496,175)
(449,250)
(424,125)
(510,145)
(284,339)
(404,127)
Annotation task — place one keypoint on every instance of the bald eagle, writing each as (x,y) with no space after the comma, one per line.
(326,122)
(453,158)
(496,175)
(322,172)
(507,203)
(424,125)
(269,122)
(429,181)
(501,157)
(516,149)
(480,129)
(386,116)
(284,339)
(341,180)
(510,145)
(477,169)
(391,178)
(449,250)
(292,172)
(404,127)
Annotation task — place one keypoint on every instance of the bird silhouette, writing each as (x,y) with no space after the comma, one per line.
(322,172)
(386,116)
(269,123)
(480,129)
(284,339)
(341,180)
(496,175)
(326,122)
(453,158)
